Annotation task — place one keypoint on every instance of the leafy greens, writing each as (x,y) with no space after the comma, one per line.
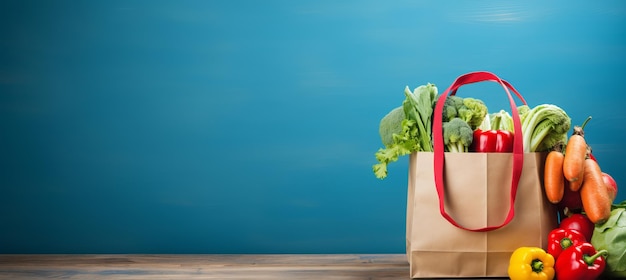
(415,128)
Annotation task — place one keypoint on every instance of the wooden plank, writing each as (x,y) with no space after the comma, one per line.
(280,266)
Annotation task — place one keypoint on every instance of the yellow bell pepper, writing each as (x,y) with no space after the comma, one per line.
(531,263)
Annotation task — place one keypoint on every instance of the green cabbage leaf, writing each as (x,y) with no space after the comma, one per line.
(611,236)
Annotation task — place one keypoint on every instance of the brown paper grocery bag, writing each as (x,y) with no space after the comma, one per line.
(468,212)
(477,197)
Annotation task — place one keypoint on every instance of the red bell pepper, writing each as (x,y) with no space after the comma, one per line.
(579,222)
(581,262)
(560,239)
(492,141)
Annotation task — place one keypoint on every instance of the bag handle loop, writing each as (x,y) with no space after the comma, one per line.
(438,145)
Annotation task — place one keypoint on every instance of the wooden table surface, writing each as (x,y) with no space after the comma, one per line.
(282,266)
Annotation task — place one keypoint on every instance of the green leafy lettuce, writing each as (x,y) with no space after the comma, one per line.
(412,133)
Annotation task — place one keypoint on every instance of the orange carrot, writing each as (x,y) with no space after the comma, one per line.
(594,193)
(574,161)
(553,179)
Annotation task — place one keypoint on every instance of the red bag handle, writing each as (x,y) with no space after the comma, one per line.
(438,145)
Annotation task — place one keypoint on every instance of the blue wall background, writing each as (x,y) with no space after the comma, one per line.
(251,126)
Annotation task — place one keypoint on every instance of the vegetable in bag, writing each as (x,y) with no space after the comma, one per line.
(611,236)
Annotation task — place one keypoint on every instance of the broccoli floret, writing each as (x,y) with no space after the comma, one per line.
(451,108)
(391,124)
(544,126)
(471,110)
(457,135)
(474,112)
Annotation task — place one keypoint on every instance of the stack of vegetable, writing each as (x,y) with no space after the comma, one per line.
(569,255)
(590,241)
(574,181)
(591,237)
(467,127)
(577,249)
